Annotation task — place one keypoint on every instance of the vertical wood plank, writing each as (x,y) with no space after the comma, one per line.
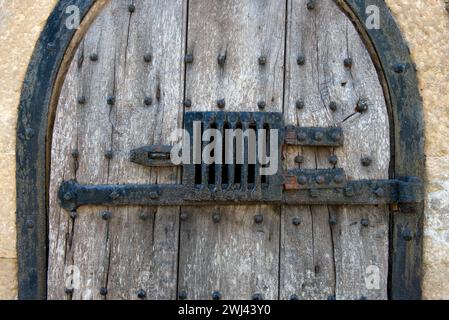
(325,37)
(235,256)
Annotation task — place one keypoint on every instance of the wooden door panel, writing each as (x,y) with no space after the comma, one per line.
(273,56)
(342,249)
(236,256)
(136,249)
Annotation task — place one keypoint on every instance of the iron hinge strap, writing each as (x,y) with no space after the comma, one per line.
(364,192)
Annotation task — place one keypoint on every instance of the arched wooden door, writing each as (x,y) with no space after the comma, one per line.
(140,70)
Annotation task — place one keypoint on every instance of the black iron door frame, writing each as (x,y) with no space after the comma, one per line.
(55,45)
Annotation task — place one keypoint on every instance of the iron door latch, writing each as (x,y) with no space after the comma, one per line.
(206,184)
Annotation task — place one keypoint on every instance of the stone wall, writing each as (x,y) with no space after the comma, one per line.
(425,25)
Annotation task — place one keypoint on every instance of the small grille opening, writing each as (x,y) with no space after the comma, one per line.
(212,167)
(237,167)
(252,150)
(266,126)
(199,167)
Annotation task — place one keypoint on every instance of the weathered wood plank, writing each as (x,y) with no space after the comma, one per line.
(125,253)
(148,110)
(235,256)
(326,38)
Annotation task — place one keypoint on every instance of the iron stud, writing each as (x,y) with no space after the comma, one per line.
(407,235)
(68,196)
(331,298)
(294,297)
(109,154)
(262,60)
(336,136)
(257,297)
(349,192)
(29,133)
(333,106)
(300,104)
(143,216)
(131,8)
(348,63)
(333,159)
(188,58)
(320,179)
(362,105)
(187,103)
(148,57)
(148,101)
(93,57)
(299,159)
(154,195)
(296,221)
(333,220)
(317,269)
(184,216)
(141,294)
(221,59)
(75,154)
(302,136)
(216,295)
(339,179)
(73,215)
(82,100)
(302,180)
(103,291)
(106,215)
(221,103)
(301,60)
(399,68)
(182,295)
(258,218)
(216,218)
(366,161)
(365,222)
(110,100)
(261,105)
(311,4)
(318,136)
(68,290)
(30,224)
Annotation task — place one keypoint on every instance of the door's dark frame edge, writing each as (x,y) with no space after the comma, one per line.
(32,131)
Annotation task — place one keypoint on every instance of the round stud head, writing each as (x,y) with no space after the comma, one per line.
(143,216)
(399,68)
(216,295)
(109,154)
(221,59)
(106,215)
(73,215)
(302,136)
(380,192)
(336,136)
(365,222)
(258,218)
(366,161)
(29,133)
(296,221)
(103,291)
(82,100)
(131,8)
(320,179)
(261,105)
(148,101)
(294,297)
(299,159)
(93,57)
(221,103)
(216,218)
(300,104)
(75,154)
(319,136)
(333,220)
(110,100)
(188,58)
(311,4)
(348,62)
(301,60)
(148,57)
(68,196)
(187,103)
(302,180)
(339,179)
(182,295)
(141,294)
(184,216)
(257,297)
(114,195)
(407,235)
(362,105)
(349,192)
(333,106)
(333,160)
(68,290)
(262,60)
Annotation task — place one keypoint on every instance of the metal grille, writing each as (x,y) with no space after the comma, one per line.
(239,178)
